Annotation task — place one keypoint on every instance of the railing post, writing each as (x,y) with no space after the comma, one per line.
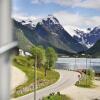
(6,44)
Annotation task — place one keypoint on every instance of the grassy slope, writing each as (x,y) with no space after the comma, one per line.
(52,77)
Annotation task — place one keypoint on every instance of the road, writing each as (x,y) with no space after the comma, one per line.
(67,78)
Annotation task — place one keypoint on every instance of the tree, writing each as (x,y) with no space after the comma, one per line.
(38,52)
(51,57)
(45,68)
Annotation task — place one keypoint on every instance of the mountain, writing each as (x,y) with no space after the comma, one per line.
(49,32)
(82,37)
(87,37)
(94,35)
(95,50)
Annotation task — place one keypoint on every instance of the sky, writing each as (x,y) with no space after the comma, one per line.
(75,13)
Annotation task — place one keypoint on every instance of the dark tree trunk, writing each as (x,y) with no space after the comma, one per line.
(45,72)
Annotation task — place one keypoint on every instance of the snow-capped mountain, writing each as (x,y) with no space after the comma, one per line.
(31,22)
(50,20)
(87,37)
(82,37)
(49,32)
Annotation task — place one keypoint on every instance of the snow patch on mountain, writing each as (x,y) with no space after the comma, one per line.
(70,30)
(32,21)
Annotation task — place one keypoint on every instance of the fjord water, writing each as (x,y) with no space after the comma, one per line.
(78,63)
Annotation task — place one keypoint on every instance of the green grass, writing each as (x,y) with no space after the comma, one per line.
(52,77)
(56,97)
(85,82)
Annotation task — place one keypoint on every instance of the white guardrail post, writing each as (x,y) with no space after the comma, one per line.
(6,44)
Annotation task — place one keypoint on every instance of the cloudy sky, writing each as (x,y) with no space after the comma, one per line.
(77,13)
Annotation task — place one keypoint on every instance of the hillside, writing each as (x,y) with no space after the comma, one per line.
(95,50)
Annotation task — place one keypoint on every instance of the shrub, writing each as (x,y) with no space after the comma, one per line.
(58,93)
(24,61)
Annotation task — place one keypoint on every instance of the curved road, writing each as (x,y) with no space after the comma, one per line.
(67,78)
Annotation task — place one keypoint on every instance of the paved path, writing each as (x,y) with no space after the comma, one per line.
(67,78)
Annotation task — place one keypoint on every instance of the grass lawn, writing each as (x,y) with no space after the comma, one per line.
(42,81)
(56,97)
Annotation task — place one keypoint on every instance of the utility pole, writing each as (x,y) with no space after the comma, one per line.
(90,62)
(86,69)
(35,76)
(75,63)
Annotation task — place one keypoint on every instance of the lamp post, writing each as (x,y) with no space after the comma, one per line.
(75,63)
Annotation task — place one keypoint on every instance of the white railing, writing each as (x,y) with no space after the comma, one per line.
(7,43)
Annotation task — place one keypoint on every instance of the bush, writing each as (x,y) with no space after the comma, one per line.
(58,93)
(90,73)
(56,97)
(87,79)
(24,61)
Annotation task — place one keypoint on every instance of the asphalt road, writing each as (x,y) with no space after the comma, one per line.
(67,78)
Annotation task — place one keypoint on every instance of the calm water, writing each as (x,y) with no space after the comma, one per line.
(79,63)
